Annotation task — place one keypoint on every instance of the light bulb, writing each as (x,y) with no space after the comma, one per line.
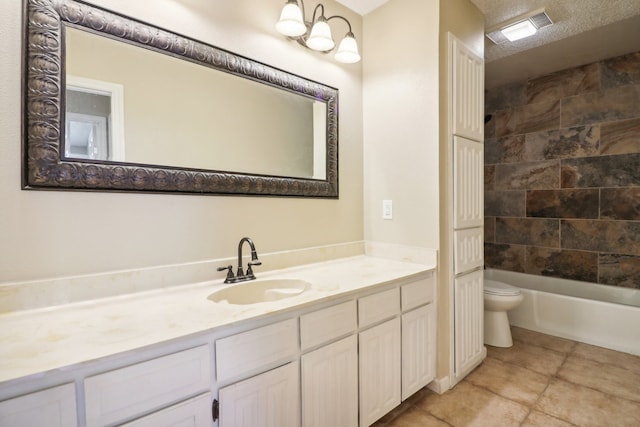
(519,30)
(348,50)
(320,38)
(291,22)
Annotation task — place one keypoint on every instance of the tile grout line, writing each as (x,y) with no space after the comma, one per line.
(566,380)
(549,379)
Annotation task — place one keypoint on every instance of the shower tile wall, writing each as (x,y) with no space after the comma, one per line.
(562,174)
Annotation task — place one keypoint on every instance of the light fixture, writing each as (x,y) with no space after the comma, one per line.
(519,27)
(316,34)
(519,30)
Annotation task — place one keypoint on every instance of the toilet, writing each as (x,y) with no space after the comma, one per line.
(499,298)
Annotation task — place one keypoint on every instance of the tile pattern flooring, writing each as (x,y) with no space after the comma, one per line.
(541,381)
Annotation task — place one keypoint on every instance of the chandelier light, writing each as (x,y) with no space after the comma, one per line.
(316,34)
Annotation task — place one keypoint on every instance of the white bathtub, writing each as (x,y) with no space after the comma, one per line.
(606,316)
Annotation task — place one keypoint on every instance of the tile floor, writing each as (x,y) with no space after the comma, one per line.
(541,381)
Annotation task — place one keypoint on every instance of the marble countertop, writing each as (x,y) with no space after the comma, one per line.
(37,341)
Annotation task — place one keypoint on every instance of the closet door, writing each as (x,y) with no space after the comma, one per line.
(468,92)
(468,183)
(469,322)
(468,249)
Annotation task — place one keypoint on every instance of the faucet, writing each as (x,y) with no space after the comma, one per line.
(240,275)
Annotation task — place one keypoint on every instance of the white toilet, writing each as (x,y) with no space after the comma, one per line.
(498,299)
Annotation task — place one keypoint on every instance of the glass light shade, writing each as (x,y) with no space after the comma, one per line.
(320,38)
(291,22)
(519,30)
(348,50)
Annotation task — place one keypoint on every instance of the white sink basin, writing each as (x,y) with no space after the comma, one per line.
(257,291)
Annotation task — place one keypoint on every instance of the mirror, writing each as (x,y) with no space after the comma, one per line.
(115,104)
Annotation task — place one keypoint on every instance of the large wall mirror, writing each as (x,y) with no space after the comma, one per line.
(111,103)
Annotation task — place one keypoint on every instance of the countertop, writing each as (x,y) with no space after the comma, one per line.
(37,341)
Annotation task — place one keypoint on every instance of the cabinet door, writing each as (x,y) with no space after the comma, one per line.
(418,349)
(379,370)
(194,412)
(330,385)
(468,249)
(467,91)
(468,183)
(469,322)
(54,407)
(271,399)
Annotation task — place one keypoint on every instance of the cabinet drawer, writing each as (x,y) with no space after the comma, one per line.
(55,407)
(247,352)
(194,412)
(327,324)
(418,293)
(378,307)
(127,392)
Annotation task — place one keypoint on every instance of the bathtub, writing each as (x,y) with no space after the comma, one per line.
(606,316)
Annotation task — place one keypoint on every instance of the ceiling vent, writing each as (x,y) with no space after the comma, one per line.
(524,26)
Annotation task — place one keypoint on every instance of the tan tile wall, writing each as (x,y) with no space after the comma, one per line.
(562,174)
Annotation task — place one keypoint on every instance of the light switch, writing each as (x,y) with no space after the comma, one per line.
(387,209)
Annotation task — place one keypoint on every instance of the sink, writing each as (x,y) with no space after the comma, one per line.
(260,291)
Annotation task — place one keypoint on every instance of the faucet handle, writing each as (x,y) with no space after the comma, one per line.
(250,270)
(230,277)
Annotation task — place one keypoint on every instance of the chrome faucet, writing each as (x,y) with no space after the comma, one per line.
(240,275)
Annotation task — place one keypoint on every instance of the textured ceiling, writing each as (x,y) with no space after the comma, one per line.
(584,31)
(570,17)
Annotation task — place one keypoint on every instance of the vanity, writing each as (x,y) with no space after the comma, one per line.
(345,351)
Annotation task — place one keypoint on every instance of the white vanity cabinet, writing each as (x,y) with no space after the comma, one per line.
(398,356)
(53,407)
(259,371)
(330,372)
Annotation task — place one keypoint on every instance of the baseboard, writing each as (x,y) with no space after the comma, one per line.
(440,385)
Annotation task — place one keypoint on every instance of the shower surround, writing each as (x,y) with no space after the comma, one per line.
(562,174)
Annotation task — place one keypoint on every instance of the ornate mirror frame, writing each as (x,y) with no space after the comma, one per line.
(44,109)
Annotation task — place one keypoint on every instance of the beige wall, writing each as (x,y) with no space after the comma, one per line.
(405,128)
(465,21)
(46,234)
(401,122)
